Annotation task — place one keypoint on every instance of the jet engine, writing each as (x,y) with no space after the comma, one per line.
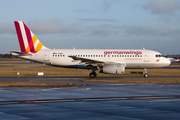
(112,69)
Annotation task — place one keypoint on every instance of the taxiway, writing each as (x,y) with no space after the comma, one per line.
(107,101)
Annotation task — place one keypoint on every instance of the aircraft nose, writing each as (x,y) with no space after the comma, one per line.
(168,62)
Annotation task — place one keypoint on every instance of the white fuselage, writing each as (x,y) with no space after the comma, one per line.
(132,58)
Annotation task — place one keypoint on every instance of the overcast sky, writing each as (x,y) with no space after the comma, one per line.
(94,24)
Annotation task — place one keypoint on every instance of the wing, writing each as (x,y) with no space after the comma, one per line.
(93,62)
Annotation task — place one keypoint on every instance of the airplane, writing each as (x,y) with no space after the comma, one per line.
(108,61)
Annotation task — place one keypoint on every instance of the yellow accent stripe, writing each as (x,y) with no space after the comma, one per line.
(28,49)
(39,46)
(34,39)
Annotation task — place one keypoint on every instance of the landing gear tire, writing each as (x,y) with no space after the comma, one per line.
(145,75)
(92,75)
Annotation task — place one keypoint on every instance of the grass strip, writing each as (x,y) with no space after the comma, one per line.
(57,71)
(27,84)
(8,59)
(143,80)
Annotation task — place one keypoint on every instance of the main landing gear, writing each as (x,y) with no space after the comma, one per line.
(145,73)
(93,73)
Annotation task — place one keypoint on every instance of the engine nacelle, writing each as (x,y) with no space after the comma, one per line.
(113,69)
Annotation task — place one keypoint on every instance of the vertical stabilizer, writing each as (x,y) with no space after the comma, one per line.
(27,40)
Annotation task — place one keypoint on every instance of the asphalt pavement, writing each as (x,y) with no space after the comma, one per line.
(103,101)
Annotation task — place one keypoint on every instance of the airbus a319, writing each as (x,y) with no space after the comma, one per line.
(109,61)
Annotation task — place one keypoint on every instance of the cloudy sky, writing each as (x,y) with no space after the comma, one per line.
(94,24)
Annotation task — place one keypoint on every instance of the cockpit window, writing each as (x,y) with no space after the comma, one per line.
(159,55)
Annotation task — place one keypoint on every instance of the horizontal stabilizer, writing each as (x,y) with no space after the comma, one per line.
(20,53)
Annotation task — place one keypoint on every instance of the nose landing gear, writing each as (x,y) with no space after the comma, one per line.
(145,73)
